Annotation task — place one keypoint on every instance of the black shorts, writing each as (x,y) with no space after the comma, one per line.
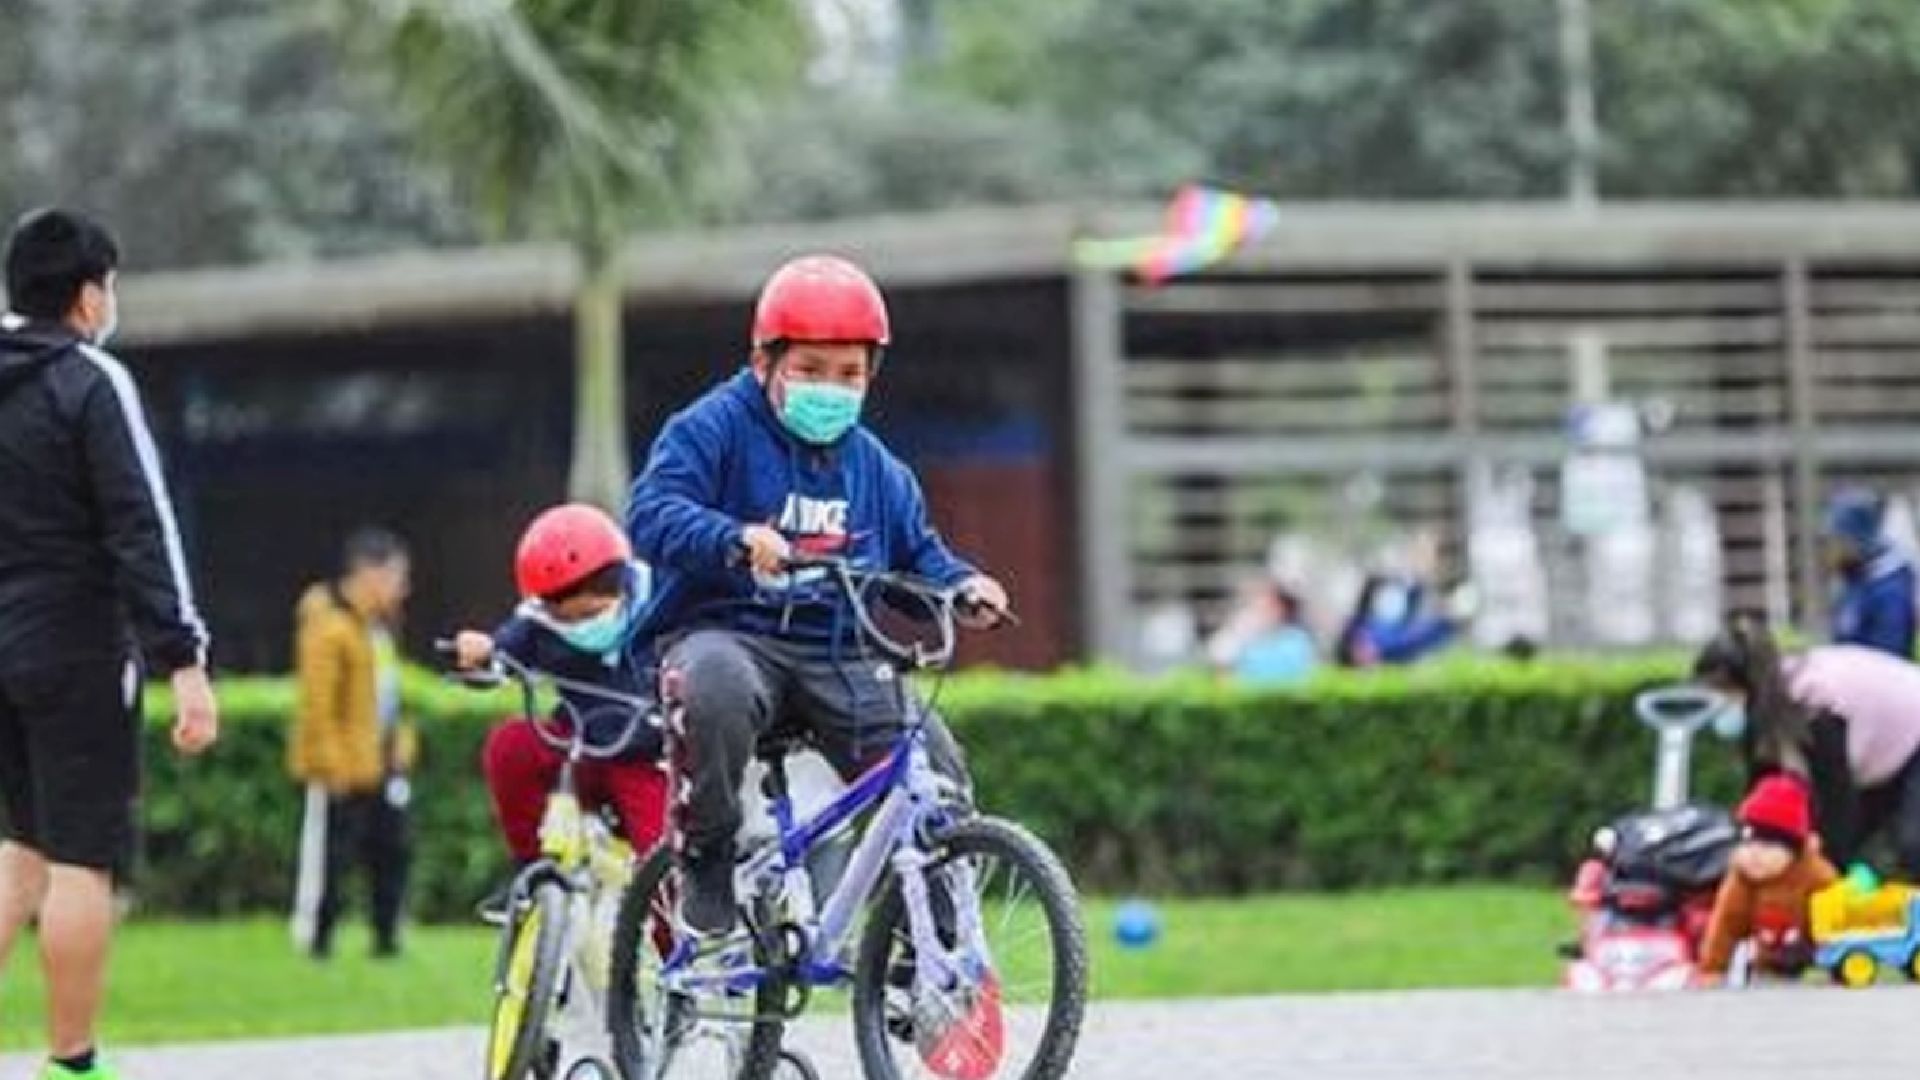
(70,760)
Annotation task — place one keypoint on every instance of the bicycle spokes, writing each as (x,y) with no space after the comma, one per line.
(685,1014)
(979,1005)
(528,980)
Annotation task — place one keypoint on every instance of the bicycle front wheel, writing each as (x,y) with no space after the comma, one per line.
(1019,1015)
(532,951)
(656,1036)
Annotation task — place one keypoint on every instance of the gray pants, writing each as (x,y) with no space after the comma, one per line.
(725,689)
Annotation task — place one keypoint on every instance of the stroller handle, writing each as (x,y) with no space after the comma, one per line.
(1676,714)
(1683,708)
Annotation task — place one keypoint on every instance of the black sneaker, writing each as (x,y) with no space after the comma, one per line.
(707,905)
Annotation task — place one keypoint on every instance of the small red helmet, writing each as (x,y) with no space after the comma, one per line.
(1780,806)
(564,546)
(820,298)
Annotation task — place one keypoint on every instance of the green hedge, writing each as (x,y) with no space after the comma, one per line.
(221,831)
(1451,771)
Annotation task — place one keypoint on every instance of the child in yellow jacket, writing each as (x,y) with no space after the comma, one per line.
(350,746)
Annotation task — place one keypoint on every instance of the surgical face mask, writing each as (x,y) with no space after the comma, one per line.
(105,331)
(1391,604)
(600,634)
(1730,723)
(820,413)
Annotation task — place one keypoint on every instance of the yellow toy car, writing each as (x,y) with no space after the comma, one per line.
(1860,925)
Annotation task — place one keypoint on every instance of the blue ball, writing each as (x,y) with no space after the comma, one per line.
(1136,924)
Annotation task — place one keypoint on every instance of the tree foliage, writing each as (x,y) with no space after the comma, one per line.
(1357,99)
(1761,98)
(580,118)
(584,118)
(829,154)
(208,131)
(229,130)
(1317,98)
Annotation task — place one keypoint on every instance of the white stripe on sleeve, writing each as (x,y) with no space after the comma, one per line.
(143,446)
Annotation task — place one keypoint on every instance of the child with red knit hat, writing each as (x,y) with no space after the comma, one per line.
(1775,870)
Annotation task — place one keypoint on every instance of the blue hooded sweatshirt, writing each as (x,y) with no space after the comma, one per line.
(1393,627)
(726,461)
(1873,602)
(1874,605)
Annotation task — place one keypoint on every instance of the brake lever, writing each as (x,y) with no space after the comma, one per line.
(489,677)
(1002,617)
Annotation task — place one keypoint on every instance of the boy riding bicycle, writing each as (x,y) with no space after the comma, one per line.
(774,461)
(583,596)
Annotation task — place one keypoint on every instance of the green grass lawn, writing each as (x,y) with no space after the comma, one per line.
(1402,939)
(174,982)
(184,981)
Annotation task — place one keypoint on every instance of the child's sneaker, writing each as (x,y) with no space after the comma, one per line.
(99,1071)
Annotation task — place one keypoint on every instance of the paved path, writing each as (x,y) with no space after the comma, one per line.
(1770,1035)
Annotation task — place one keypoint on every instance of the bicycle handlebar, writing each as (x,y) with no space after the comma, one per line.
(943,602)
(502,668)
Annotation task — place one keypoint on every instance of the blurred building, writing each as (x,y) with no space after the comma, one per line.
(1106,447)
(432,393)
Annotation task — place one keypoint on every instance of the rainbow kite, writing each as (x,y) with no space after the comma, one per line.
(1203,226)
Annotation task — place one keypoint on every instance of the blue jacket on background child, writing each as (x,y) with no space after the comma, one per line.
(1873,599)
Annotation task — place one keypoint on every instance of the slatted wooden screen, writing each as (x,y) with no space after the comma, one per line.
(1251,404)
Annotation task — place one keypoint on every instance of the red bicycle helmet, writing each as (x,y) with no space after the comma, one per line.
(820,298)
(564,546)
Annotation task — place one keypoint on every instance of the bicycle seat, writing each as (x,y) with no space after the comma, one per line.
(778,744)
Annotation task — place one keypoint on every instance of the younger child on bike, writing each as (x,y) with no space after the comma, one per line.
(582,595)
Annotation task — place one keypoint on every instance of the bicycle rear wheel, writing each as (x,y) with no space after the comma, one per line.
(1020,1018)
(532,949)
(652,1031)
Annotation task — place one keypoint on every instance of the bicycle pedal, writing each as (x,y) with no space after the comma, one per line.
(734,1019)
(708,955)
(731,947)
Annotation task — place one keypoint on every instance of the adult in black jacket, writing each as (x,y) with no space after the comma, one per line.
(91,566)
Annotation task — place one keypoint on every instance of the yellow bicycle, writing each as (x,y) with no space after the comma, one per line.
(551,971)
